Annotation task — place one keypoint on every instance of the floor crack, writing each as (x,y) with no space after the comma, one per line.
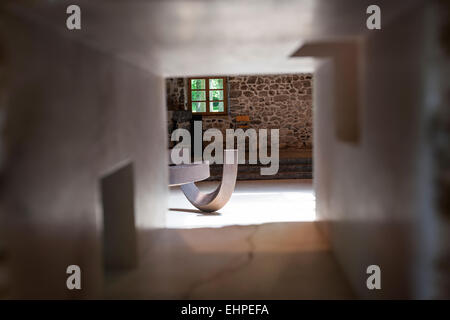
(233,266)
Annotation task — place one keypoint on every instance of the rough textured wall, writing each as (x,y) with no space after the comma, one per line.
(75,114)
(175,92)
(271,101)
(178,115)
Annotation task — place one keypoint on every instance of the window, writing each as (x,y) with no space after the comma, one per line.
(208,95)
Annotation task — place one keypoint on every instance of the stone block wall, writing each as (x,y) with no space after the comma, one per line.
(175,91)
(271,101)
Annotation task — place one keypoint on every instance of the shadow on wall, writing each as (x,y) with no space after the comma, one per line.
(119,230)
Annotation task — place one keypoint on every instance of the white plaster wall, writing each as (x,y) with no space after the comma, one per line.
(74,114)
(374,195)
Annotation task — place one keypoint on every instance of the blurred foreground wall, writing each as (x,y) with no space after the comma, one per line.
(74,115)
(376,195)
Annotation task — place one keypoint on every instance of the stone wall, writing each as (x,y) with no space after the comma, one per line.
(271,101)
(175,91)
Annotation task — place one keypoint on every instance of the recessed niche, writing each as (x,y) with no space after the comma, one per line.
(346,104)
(119,231)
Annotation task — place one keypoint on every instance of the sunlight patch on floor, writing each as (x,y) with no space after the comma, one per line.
(253,202)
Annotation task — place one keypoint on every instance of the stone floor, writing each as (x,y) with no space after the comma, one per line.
(277,260)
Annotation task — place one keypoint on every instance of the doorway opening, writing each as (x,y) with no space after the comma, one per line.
(282,102)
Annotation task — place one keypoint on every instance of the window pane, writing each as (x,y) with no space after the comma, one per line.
(198,95)
(216,106)
(198,83)
(216,95)
(198,106)
(216,83)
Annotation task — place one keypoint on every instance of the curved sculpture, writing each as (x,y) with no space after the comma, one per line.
(215,200)
(186,173)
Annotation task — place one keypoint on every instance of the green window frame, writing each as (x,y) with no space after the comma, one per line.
(208,95)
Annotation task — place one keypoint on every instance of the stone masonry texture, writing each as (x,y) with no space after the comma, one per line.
(281,102)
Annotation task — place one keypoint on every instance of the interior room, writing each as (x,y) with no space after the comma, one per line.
(354,119)
(249,102)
